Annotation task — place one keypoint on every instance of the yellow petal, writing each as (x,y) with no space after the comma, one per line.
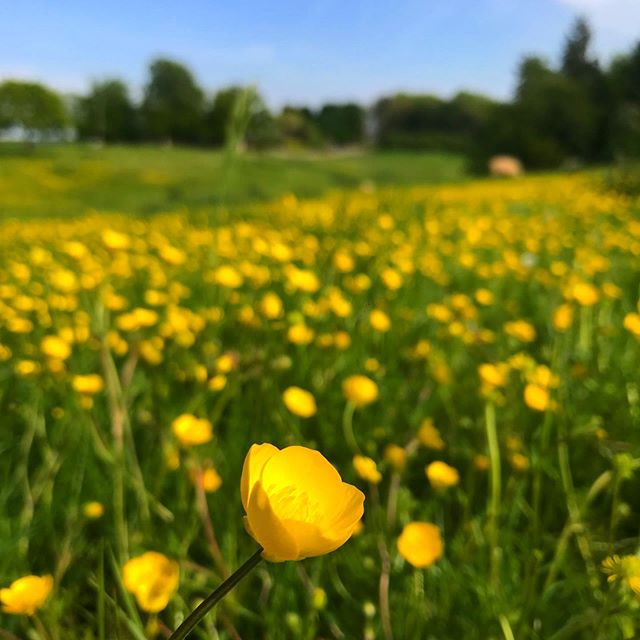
(307,472)
(267,530)
(252,468)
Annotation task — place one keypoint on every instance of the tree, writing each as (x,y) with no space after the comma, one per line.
(342,123)
(33,107)
(239,115)
(107,113)
(173,104)
(624,86)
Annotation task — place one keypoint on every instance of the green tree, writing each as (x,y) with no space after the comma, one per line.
(342,123)
(624,84)
(238,115)
(107,113)
(32,107)
(173,104)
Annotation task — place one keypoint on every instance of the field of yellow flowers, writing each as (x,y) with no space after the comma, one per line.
(466,355)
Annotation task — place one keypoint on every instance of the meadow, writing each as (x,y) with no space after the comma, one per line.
(464,353)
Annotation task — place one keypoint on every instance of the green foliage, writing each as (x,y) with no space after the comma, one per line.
(173,105)
(342,124)
(108,114)
(33,107)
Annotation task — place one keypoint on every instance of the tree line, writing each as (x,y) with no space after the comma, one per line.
(578,112)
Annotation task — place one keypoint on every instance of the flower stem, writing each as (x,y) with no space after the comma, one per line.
(494,504)
(347,427)
(208,603)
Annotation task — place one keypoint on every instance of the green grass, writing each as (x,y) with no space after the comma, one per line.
(61,180)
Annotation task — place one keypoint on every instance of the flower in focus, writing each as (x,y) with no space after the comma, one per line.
(26,595)
(299,402)
(360,390)
(191,430)
(152,578)
(296,503)
(367,469)
(420,544)
(441,475)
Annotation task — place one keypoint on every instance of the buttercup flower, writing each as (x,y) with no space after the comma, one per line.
(367,469)
(429,435)
(360,390)
(89,384)
(296,503)
(152,578)
(299,402)
(536,397)
(441,475)
(420,544)
(26,595)
(191,430)
(395,455)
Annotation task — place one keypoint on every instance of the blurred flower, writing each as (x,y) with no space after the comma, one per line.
(360,390)
(521,330)
(379,320)
(55,347)
(217,383)
(152,578)
(519,461)
(481,462)
(585,294)
(632,323)
(367,469)
(296,503)
(420,544)
(87,384)
(93,510)
(191,430)
(563,317)
(441,475)
(26,595)
(299,402)
(429,436)
(536,397)
(395,455)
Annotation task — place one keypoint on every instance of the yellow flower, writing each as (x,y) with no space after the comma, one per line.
(536,397)
(55,347)
(26,368)
(152,578)
(299,402)
(300,334)
(519,462)
(420,544)
(379,320)
(632,323)
(89,384)
(93,510)
(395,455)
(210,480)
(441,475)
(226,362)
(360,390)
(217,383)
(191,430)
(429,436)
(563,317)
(26,595)
(115,240)
(271,305)
(367,469)
(296,503)
(585,294)
(521,330)
(481,462)
(494,375)
(626,569)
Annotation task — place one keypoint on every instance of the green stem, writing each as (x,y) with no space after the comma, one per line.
(208,603)
(494,505)
(347,427)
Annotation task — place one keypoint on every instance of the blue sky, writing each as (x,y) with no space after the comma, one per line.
(302,52)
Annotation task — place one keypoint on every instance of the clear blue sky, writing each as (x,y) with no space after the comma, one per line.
(302,52)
